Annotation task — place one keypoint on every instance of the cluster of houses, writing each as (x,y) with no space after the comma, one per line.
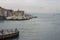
(11,14)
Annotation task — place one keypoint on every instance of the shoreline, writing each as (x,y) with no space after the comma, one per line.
(12,19)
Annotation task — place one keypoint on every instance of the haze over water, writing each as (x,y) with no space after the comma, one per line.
(45,27)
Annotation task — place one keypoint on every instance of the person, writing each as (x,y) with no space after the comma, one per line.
(2,31)
(16,30)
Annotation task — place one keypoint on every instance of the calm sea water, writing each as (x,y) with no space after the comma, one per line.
(45,27)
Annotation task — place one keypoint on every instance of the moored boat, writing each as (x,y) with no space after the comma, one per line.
(5,34)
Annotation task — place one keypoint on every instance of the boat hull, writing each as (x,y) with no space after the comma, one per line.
(7,36)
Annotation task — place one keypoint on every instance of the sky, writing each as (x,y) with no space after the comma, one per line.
(32,6)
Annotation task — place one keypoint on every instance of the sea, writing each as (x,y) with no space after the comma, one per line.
(44,27)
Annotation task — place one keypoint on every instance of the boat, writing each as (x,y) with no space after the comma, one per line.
(6,34)
(34,17)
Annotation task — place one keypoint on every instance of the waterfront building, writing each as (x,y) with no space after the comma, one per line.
(9,12)
(4,12)
(19,13)
(1,10)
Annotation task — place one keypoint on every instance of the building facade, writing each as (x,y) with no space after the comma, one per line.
(5,12)
(19,13)
(9,13)
(1,11)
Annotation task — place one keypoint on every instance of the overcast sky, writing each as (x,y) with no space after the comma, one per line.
(32,6)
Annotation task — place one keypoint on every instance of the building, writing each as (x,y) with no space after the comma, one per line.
(9,12)
(19,13)
(1,11)
(2,15)
(4,12)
